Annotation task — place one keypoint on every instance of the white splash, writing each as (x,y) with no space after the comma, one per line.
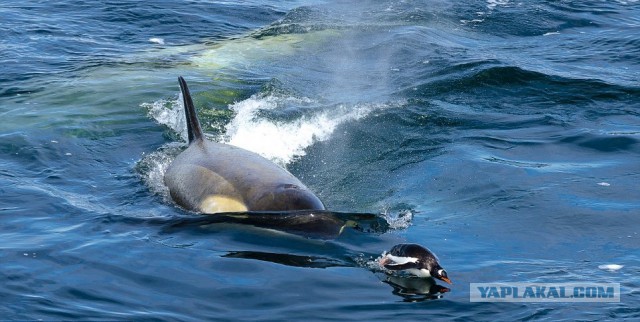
(604,184)
(169,113)
(492,4)
(156,40)
(283,142)
(279,141)
(611,267)
(372,264)
(400,220)
(153,166)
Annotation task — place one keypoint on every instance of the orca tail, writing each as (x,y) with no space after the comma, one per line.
(193,124)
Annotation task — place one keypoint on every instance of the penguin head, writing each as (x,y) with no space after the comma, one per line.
(438,272)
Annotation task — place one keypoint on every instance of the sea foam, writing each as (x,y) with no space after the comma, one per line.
(279,141)
(283,142)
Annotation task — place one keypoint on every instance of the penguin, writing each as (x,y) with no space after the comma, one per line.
(414,259)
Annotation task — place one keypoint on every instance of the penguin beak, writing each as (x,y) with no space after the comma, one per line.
(446,279)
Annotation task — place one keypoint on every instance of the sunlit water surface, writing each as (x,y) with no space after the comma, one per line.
(503,135)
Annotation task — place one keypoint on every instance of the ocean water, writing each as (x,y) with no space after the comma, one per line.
(503,135)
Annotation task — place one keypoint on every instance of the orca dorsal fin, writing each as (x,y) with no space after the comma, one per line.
(194,130)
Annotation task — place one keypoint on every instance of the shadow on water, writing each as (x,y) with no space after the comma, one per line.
(409,288)
(311,224)
(291,260)
(329,236)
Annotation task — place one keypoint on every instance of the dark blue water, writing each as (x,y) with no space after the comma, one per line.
(503,135)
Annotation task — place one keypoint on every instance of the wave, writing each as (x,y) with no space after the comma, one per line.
(169,113)
(254,127)
(284,141)
(492,78)
(152,167)
(278,127)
